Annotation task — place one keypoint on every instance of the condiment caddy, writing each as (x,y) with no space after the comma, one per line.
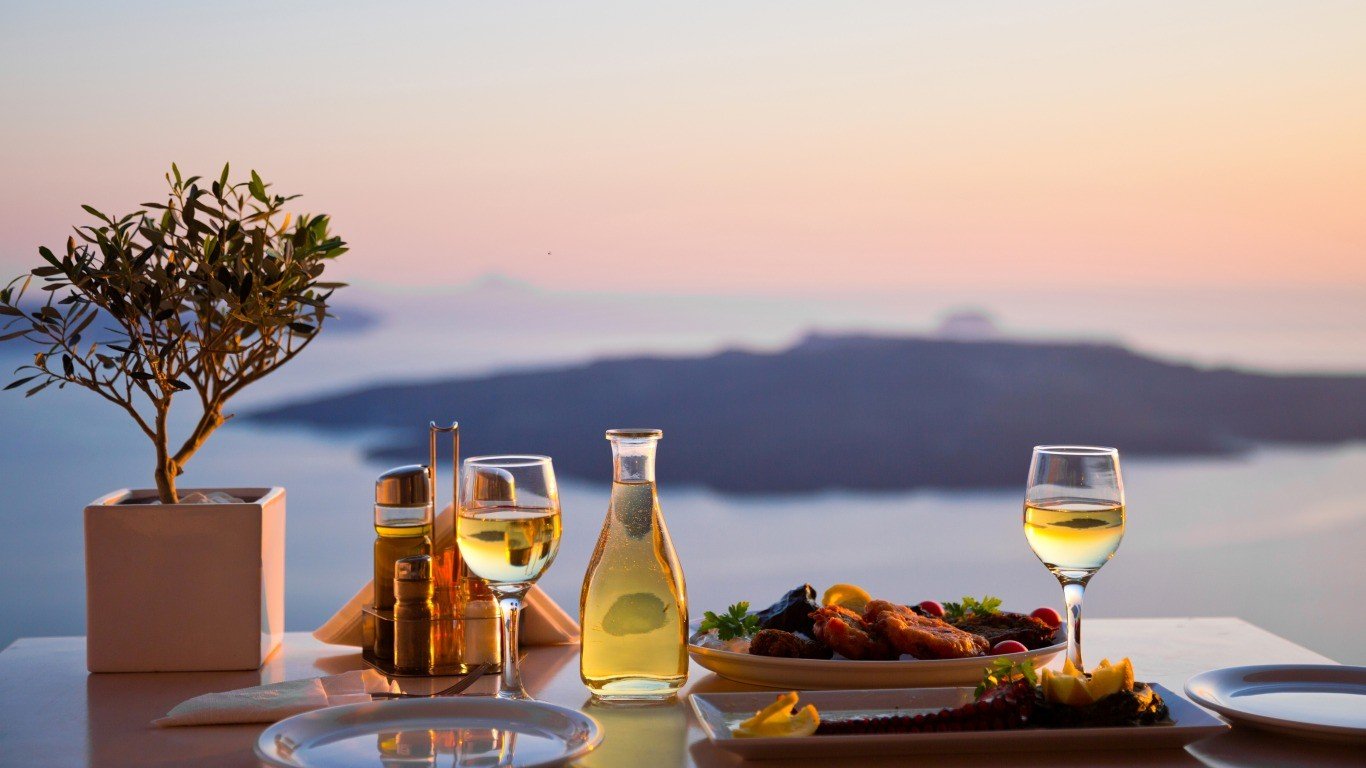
(429,615)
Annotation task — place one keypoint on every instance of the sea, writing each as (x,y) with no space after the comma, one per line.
(1274,536)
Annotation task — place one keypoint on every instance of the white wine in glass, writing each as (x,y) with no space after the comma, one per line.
(508,530)
(1074,520)
(509,544)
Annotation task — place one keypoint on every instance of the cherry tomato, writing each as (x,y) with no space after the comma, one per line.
(1047,616)
(1008,646)
(932,607)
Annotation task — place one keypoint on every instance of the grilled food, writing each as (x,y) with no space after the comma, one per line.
(1140,705)
(792,612)
(787,645)
(846,632)
(1005,625)
(1006,706)
(923,637)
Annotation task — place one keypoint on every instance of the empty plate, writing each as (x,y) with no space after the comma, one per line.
(460,731)
(1318,701)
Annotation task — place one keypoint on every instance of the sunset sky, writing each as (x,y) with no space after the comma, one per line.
(765,148)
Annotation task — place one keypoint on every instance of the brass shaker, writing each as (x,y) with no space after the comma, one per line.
(413,614)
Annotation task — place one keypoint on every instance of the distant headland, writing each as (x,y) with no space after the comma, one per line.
(853,411)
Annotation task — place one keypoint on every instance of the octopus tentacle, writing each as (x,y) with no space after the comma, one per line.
(1006,706)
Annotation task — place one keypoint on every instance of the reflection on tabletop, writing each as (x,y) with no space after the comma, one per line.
(1233,750)
(119,730)
(469,747)
(537,670)
(652,734)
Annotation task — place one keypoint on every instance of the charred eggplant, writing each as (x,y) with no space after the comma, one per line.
(792,613)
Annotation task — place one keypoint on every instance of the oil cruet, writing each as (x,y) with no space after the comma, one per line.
(634,608)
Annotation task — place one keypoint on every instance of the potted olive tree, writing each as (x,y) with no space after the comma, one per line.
(190,300)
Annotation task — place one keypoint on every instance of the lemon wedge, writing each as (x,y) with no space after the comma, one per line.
(1065,689)
(850,596)
(1108,679)
(777,720)
(1077,689)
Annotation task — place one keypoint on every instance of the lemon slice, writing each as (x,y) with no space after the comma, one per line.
(777,721)
(780,708)
(850,596)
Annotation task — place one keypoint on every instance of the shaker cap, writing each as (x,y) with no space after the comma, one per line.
(415,568)
(407,486)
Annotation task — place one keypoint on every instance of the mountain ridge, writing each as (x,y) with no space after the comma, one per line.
(854,411)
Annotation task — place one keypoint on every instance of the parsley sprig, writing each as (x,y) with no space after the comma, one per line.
(1002,670)
(736,622)
(971,605)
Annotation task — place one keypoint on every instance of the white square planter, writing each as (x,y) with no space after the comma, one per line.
(184,587)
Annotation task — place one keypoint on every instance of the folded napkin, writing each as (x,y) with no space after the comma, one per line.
(543,621)
(268,703)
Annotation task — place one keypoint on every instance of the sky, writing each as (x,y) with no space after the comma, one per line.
(782,148)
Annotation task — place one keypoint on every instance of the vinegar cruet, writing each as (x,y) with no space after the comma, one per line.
(634,606)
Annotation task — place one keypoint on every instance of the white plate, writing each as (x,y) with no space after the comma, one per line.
(719,712)
(1317,701)
(474,731)
(843,673)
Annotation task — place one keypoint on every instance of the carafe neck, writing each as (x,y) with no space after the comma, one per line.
(633,458)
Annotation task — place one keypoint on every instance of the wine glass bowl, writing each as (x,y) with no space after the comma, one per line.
(508,530)
(1074,520)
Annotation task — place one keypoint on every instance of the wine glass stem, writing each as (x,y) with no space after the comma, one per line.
(510,685)
(1072,591)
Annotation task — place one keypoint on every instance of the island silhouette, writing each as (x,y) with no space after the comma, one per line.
(855,412)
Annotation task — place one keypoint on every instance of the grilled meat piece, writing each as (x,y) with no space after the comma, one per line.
(999,627)
(921,636)
(787,645)
(845,631)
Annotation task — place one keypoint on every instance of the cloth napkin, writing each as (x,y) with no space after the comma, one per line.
(268,703)
(543,621)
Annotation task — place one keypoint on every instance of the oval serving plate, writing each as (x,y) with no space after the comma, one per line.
(844,673)
(718,713)
(526,734)
(1315,701)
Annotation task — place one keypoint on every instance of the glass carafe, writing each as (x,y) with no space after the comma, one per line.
(634,606)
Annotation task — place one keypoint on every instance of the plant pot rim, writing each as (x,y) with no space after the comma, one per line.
(256,496)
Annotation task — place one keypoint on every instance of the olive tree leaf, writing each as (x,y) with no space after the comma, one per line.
(257,187)
(21,382)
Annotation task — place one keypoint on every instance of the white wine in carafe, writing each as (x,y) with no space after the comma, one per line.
(634,608)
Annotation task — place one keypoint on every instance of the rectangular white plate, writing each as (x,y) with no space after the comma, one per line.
(719,712)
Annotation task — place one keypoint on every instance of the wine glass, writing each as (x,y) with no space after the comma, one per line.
(1074,520)
(509,532)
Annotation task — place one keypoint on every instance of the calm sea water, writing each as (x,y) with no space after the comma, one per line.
(1275,538)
